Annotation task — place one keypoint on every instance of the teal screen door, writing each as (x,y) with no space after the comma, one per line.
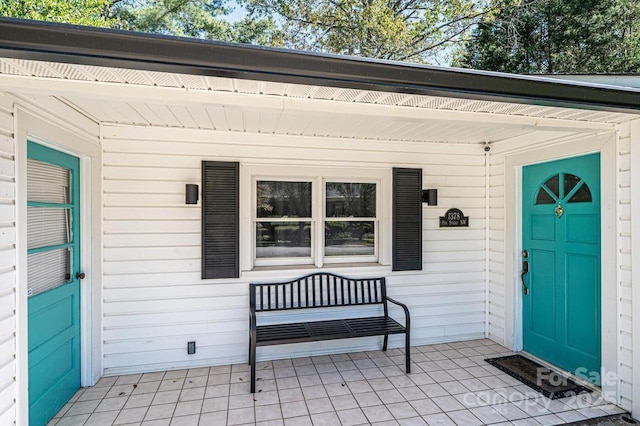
(561,243)
(53,260)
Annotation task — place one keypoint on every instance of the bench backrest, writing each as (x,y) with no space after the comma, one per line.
(319,290)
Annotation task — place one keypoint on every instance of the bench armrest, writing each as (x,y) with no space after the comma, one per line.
(252,318)
(404,308)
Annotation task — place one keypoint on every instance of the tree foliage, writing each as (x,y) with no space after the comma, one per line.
(520,36)
(558,36)
(82,12)
(193,18)
(414,30)
(188,18)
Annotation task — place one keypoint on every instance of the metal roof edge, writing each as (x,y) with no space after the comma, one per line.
(43,41)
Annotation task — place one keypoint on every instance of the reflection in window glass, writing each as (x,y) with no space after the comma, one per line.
(283,239)
(350,199)
(553,183)
(570,182)
(278,199)
(582,195)
(349,229)
(287,224)
(349,238)
(544,197)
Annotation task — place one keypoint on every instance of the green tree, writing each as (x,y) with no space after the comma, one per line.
(415,30)
(192,18)
(82,12)
(557,36)
(188,18)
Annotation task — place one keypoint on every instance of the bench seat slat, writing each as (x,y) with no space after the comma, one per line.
(279,334)
(375,324)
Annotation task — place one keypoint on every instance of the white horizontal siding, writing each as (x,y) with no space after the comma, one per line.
(496,320)
(7,265)
(155,301)
(625,325)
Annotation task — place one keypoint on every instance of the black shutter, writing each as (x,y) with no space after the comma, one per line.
(407,219)
(220,219)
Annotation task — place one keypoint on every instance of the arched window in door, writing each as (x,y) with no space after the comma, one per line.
(564,187)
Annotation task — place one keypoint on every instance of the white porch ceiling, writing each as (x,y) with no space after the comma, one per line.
(291,109)
(298,123)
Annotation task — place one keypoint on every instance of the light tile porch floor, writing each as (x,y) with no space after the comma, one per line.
(450,384)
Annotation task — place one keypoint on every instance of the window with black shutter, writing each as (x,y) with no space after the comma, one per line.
(407,219)
(220,219)
(287,219)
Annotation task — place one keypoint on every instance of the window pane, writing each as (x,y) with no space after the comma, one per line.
(351,199)
(47,227)
(283,199)
(570,182)
(283,239)
(582,195)
(349,239)
(47,270)
(544,197)
(553,183)
(47,183)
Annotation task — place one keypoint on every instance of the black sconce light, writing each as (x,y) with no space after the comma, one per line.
(430,196)
(191,194)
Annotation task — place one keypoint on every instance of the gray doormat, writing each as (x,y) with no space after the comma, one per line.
(540,378)
(615,420)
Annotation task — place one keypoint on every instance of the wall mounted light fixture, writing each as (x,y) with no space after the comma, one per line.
(191,193)
(430,196)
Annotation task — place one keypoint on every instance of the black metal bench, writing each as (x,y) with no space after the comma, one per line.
(321,290)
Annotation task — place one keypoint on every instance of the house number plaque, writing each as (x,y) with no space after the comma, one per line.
(454,218)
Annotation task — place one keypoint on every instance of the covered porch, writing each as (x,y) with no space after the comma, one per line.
(451,384)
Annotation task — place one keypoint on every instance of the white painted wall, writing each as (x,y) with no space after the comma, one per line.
(8,385)
(155,301)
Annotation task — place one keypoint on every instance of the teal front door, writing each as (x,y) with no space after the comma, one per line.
(53,261)
(561,247)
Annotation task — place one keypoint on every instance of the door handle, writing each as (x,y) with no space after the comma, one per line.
(80,275)
(525,271)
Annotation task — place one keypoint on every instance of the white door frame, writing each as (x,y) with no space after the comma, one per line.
(34,127)
(606,145)
(634,143)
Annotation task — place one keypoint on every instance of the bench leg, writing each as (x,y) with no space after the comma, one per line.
(384,344)
(407,352)
(249,350)
(253,377)
(252,361)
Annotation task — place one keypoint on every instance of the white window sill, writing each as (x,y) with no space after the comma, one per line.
(268,272)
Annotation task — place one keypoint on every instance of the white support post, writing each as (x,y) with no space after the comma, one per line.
(635,261)
(487,234)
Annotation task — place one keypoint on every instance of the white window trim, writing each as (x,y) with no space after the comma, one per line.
(318,176)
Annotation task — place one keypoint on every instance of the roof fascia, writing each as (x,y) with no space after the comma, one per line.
(55,42)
